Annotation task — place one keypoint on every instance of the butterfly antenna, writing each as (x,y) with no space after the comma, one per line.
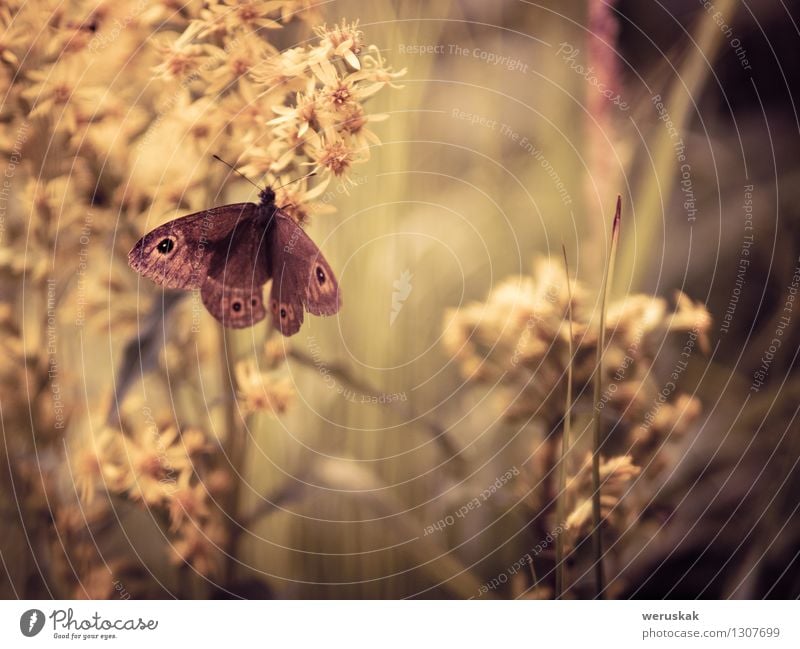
(234,169)
(296,180)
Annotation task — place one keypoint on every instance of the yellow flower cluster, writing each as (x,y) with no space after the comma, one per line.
(276,113)
(616,474)
(264,387)
(173,474)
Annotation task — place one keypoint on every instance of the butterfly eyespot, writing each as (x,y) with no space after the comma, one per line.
(253,302)
(320,275)
(165,246)
(283,313)
(236,306)
(273,306)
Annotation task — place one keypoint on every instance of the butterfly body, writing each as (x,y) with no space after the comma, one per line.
(230,252)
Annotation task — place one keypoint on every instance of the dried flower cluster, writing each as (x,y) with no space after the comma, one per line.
(518,340)
(111,112)
(265,387)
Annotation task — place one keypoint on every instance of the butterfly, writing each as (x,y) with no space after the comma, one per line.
(230,252)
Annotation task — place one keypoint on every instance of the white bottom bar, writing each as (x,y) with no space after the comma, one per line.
(399,623)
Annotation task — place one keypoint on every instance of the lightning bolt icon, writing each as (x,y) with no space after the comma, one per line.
(32,621)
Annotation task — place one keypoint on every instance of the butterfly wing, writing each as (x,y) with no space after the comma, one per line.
(285,300)
(239,267)
(301,278)
(178,254)
(234,306)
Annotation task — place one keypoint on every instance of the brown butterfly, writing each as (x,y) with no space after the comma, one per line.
(230,252)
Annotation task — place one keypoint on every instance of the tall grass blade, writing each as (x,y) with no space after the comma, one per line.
(597,539)
(561,504)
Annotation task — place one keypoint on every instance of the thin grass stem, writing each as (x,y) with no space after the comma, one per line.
(597,538)
(561,504)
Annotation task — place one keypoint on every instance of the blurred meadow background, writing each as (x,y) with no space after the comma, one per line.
(412,445)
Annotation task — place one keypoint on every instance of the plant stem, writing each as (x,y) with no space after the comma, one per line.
(597,539)
(565,437)
(234,448)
